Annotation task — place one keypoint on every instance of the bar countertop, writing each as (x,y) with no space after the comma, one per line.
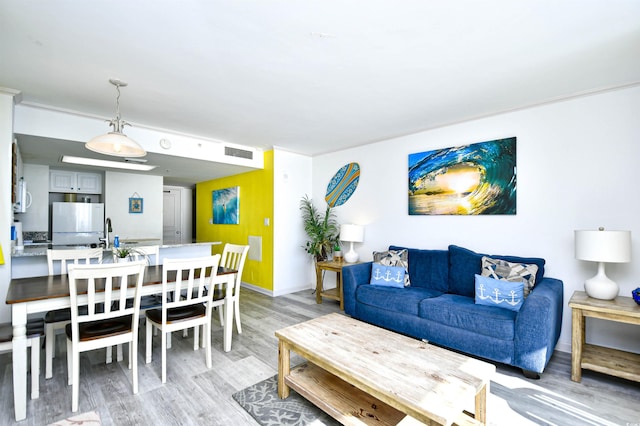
(40,249)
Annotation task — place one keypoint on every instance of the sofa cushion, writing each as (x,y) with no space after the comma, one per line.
(509,271)
(394,258)
(464,264)
(389,276)
(428,268)
(499,293)
(539,262)
(461,312)
(404,299)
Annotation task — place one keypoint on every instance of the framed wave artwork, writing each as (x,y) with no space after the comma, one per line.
(226,204)
(475,179)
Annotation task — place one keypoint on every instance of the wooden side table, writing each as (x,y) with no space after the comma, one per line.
(597,358)
(334,293)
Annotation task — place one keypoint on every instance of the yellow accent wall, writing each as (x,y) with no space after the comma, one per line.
(256,204)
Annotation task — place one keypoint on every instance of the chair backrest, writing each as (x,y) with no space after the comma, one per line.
(144,253)
(233,257)
(110,281)
(188,278)
(70,256)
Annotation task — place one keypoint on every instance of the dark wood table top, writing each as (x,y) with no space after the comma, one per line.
(53,286)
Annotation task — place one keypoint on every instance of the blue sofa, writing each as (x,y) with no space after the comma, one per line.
(439,306)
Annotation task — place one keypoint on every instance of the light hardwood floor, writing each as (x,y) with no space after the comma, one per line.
(195,395)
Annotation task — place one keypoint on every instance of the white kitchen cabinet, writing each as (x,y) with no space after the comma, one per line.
(78,182)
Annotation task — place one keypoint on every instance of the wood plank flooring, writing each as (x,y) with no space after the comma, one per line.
(195,395)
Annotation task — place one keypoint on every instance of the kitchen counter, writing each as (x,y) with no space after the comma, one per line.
(32,260)
(40,249)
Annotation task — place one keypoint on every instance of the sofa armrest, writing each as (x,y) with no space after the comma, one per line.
(352,276)
(538,325)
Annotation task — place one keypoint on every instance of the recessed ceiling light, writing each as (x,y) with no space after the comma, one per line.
(135,160)
(104,163)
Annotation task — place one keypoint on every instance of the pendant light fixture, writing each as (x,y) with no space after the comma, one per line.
(115,142)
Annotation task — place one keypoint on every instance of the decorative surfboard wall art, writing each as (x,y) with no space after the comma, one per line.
(342,185)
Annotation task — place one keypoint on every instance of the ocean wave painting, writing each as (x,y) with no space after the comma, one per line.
(476,179)
(226,206)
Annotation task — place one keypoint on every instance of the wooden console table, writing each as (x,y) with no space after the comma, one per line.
(597,358)
(333,293)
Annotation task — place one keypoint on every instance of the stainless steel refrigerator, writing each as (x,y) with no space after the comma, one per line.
(77,223)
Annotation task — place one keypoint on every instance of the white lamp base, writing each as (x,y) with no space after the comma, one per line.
(600,286)
(351,256)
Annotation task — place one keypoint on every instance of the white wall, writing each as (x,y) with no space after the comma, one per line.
(577,169)
(118,188)
(292,180)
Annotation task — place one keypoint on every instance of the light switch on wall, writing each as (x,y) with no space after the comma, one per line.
(266,221)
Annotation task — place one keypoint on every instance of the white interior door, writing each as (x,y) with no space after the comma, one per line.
(171,217)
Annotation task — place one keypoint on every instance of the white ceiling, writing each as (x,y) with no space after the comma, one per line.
(313,76)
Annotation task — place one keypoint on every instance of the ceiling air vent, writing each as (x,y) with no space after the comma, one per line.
(235,152)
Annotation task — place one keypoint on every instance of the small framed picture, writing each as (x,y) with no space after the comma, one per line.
(135,205)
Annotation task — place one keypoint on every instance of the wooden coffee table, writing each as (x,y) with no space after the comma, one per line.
(362,374)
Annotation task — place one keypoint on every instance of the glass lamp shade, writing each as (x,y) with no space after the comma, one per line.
(115,143)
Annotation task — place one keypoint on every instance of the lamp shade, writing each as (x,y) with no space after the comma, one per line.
(353,233)
(115,143)
(603,246)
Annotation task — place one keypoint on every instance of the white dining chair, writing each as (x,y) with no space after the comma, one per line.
(150,301)
(115,323)
(56,320)
(233,257)
(35,330)
(190,281)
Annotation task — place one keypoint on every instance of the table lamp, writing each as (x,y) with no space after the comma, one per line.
(352,234)
(602,246)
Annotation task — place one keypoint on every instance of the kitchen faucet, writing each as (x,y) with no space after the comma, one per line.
(107,229)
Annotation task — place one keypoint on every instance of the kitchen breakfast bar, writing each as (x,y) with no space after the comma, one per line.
(32,260)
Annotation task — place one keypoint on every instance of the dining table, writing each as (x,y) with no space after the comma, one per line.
(41,294)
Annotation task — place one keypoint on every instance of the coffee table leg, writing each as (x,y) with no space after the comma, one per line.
(284,368)
(481,404)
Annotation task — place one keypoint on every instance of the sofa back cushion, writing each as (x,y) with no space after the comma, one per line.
(428,268)
(464,264)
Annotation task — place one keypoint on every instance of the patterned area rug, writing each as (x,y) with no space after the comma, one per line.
(90,418)
(262,402)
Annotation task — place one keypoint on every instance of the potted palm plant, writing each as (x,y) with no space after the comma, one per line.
(322,231)
(126,254)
